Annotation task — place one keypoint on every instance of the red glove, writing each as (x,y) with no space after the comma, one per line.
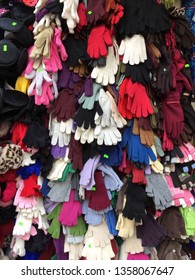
(98,199)
(98,42)
(173,116)
(30,187)
(140,106)
(82,13)
(124,101)
(138,176)
(18,132)
(9,192)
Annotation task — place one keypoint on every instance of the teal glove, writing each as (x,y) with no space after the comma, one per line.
(79,229)
(88,101)
(68,169)
(55,226)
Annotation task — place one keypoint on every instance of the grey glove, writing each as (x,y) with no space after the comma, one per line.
(158,189)
(60,191)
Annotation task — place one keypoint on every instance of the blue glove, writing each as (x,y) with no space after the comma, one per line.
(45,188)
(26,171)
(90,216)
(136,151)
(111,222)
(111,156)
(31,256)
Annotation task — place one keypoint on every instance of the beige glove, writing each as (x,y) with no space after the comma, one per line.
(42,43)
(133,244)
(100,234)
(74,249)
(125,226)
(156,165)
(122,252)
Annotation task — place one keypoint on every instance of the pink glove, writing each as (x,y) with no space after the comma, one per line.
(137,256)
(180,197)
(27,236)
(47,95)
(9,191)
(70,211)
(23,202)
(29,67)
(191,151)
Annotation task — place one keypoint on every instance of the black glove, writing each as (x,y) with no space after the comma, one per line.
(135,202)
(188,110)
(46,159)
(86,117)
(38,242)
(7,213)
(140,72)
(89,150)
(37,135)
(162,76)
(155,16)
(76,48)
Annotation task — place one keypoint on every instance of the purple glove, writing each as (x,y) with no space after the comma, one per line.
(66,78)
(150,232)
(58,152)
(88,86)
(59,246)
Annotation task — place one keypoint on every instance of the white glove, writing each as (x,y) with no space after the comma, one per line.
(22,225)
(42,222)
(133,49)
(26,161)
(106,75)
(90,251)
(84,135)
(156,165)
(105,103)
(38,77)
(18,246)
(57,131)
(67,128)
(58,167)
(70,13)
(107,135)
(74,250)
(40,4)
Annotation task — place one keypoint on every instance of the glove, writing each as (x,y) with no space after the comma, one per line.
(135,202)
(125,101)
(106,75)
(156,19)
(76,153)
(70,14)
(31,187)
(80,228)
(137,152)
(150,232)
(70,212)
(22,225)
(189,114)
(88,101)
(173,222)
(146,136)
(133,49)
(174,123)
(76,48)
(90,216)
(111,222)
(98,198)
(36,136)
(58,134)
(107,135)
(23,202)
(161,195)
(55,226)
(74,250)
(95,11)
(63,111)
(60,191)
(100,235)
(125,226)
(133,244)
(86,117)
(139,104)
(98,42)
(162,79)
(18,246)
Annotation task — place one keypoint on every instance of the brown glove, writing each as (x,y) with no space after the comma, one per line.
(81,69)
(146,136)
(173,222)
(169,250)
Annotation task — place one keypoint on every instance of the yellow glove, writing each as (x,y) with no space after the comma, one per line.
(22,84)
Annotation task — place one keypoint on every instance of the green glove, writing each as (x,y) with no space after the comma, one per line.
(88,101)
(114,198)
(158,146)
(55,226)
(68,169)
(188,214)
(79,229)
(168,3)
